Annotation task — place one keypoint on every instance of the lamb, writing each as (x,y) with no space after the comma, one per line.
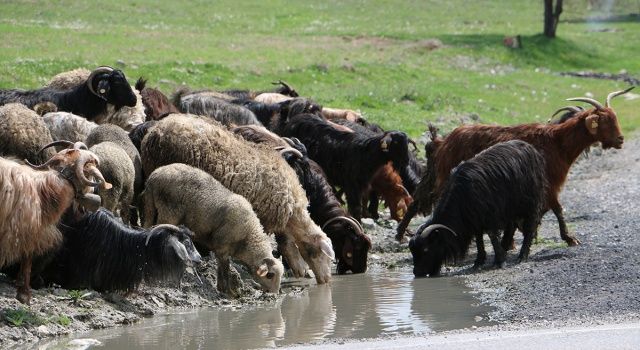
(560,144)
(223,222)
(102,253)
(349,159)
(386,182)
(23,133)
(346,234)
(502,185)
(256,173)
(34,199)
(104,86)
(125,117)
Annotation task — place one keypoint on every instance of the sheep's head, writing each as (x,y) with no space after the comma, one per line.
(349,242)
(269,274)
(78,165)
(601,121)
(431,248)
(111,86)
(395,146)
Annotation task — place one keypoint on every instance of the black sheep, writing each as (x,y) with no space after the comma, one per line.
(501,186)
(102,253)
(104,85)
(349,159)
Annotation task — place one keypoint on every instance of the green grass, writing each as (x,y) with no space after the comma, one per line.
(362,55)
(22,317)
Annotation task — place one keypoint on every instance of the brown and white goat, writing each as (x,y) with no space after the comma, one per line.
(560,144)
(33,200)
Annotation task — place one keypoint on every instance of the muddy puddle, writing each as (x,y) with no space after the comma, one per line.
(353,306)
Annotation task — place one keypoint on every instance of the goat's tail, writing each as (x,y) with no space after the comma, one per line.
(140,84)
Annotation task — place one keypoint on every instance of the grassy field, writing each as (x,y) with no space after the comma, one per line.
(374,56)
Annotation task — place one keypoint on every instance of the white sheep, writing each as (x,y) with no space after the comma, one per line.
(222,221)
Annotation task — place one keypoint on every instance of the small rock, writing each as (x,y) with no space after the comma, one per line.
(368,223)
(121,63)
(43,330)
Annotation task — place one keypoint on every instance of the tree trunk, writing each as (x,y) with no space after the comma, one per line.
(551,17)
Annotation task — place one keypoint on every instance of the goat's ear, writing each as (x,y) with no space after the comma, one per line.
(103,87)
(384,143)
(591,123)
(262,270)
(179,248)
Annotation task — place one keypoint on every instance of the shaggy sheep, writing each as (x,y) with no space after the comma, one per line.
(34,200)
(257,173)
(222,221)
(23,133)
(104,86)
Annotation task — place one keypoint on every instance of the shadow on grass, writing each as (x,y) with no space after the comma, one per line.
(631,17)
(536,50)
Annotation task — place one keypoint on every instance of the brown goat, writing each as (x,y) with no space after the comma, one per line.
(560,145)
(156,104)
(33,202)
(387,183)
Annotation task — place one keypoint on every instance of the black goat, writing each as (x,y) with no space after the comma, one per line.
(102,253)
(283,89)
(104,85)
(349,159)
(499,187)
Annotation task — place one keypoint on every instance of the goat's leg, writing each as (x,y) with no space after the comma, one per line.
(354,204)
(225,283)
(482,254)
(529,228)
(499,252)
(412,210)
(24,291)
(289,250)
(507,239)
(373,205)
(564,232)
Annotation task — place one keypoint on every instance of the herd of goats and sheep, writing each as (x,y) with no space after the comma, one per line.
(105,185)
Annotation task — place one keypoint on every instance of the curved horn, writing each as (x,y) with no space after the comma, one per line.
(101,181)
(433,227)
(574,109)
(289,141)
(80,145)
(413,143)
(99,70)
(616,93)
(42,166)
(56,143)
(587,100)
(79,170)
(284,150)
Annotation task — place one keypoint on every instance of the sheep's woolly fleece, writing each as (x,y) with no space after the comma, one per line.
(68,126)
(257,173)
(23,133)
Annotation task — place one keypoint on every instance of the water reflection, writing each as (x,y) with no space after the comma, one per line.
(356,306)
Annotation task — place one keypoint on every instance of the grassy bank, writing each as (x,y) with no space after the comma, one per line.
(381,57)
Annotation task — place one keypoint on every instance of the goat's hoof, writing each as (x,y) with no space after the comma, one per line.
(573,241)
(24,297)
(500,264)
(477,266)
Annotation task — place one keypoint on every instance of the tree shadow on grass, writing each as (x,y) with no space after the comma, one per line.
(537,50)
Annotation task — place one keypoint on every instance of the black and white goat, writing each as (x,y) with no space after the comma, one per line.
(501,186)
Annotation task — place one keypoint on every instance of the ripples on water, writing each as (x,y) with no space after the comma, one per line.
(353,306)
